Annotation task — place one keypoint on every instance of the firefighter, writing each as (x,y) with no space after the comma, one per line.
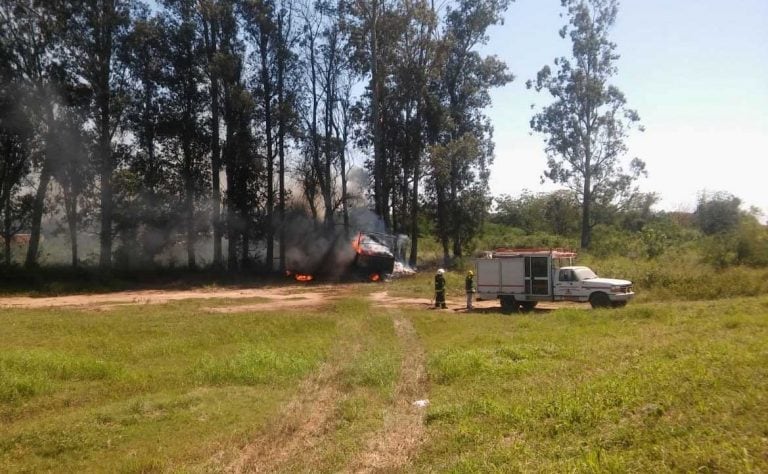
(469,286)
(440,289)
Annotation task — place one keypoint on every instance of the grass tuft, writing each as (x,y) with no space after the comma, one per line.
(253,366)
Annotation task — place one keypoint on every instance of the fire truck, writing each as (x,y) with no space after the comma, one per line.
(521,277)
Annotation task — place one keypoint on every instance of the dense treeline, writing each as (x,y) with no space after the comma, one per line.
(208,123)
(718,233)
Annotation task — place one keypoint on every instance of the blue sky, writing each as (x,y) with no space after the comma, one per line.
(697,73)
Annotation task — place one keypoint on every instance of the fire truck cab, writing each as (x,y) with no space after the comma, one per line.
(522,277)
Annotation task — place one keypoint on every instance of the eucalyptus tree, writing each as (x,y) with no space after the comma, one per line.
(145,55)
(586,125)
(238,108)
(72,168)
(35,56)
(209,13)
(96,32)
(260,20)
(286,39)
(183,109)
(16,141)
(374,25)
(463,150)
(419,56)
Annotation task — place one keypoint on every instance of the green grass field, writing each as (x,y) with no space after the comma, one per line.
(677,387)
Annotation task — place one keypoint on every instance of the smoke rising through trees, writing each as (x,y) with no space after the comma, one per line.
(227,128)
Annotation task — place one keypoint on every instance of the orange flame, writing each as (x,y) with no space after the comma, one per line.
(304,277)
(374,277)
(356,244)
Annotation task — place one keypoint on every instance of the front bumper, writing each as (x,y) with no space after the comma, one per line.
(621,296)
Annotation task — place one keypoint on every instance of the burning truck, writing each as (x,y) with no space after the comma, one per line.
(374,254)
(367,255)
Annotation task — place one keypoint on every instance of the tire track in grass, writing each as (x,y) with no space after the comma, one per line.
(302,424)
(393,446)
(305,421)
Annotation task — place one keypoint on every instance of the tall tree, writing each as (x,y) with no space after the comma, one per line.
(373,25)
(285,58)
(465,146)
(209,11)
(261,25)
(586,126)
(33,38)
(15,147)
(71,168)
(97,30)
(238,105)
(146,56)
(185,104)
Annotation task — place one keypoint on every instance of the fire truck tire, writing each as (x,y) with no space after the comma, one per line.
(509,304)
(527,306)
(599,300)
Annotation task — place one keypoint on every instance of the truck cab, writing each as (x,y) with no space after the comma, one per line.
(520,278)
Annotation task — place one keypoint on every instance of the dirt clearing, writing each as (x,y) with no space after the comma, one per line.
(279,298)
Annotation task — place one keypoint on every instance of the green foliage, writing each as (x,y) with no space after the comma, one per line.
(717,213)
(746,244)
(556,212)
(586,125)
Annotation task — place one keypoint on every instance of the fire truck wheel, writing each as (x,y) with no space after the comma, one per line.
(509,305)
(600,300)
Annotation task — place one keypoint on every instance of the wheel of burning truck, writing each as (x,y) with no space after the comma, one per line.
(527,306)
(599,300)
(508,304)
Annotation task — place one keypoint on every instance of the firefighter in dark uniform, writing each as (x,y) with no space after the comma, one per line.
(440,289)
(469,286)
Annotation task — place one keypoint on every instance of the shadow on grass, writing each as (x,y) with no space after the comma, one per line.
(499,311)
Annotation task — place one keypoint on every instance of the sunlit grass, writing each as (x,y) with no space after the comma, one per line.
(167,383)
(645,389)
(665,386)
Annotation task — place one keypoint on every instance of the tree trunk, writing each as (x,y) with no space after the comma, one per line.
(414,231)
(7,227)
(104,56)
(210,36)
(281,142)
(266,84)
(379,166)
(231,172)
(442,229)
(586,230)
(189,201)
(37,215)
(70,208)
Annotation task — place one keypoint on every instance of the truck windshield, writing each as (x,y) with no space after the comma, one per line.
(584,274)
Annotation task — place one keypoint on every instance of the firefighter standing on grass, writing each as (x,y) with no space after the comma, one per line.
(469,285)
(440,289)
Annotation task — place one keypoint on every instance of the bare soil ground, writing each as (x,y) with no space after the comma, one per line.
(279,298)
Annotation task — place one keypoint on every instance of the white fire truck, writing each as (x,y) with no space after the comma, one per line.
(522,277)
